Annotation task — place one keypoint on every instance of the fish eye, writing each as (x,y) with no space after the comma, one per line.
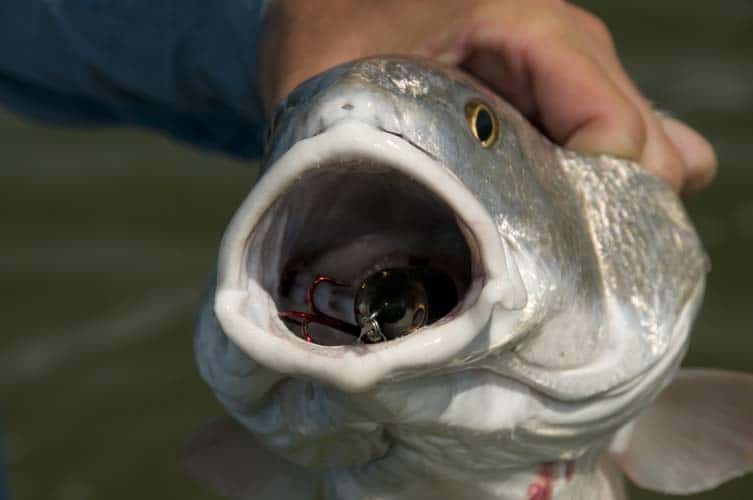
(483,123)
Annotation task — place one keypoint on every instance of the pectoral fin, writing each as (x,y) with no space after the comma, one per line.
(697,435)
(227,457)
(609,482)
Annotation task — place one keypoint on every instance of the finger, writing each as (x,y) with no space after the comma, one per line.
(578,105)
(582,108)
(697,153)
(660,155)
(593,107)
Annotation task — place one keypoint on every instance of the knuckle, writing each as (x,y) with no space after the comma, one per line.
(534,19)
(596,26)
(491,11)
(551,27)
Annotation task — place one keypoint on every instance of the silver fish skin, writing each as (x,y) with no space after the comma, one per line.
(579,278)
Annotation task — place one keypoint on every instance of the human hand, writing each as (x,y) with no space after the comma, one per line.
(552,60)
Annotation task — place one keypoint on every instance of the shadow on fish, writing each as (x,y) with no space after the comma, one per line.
(423,297)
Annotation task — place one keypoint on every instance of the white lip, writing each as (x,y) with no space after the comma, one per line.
(263,336)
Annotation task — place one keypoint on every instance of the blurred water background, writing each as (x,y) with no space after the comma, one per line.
(109,236)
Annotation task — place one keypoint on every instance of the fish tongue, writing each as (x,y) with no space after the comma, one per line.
(696,436)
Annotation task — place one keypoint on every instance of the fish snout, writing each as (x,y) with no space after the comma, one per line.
(368,108)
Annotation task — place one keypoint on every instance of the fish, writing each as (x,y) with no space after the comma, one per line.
(424,297)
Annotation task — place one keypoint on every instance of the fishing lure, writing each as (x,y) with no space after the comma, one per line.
(388,304)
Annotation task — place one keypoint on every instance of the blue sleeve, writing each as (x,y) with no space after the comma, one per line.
(185,67)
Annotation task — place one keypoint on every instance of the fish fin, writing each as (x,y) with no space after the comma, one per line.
(611,481)
(233,463)
(697,435)
(606,483)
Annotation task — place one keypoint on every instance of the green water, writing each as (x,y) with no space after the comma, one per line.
(109,237)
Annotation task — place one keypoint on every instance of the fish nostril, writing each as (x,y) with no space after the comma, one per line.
(347,106)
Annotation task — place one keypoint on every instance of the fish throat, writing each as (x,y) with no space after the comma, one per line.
(356,251)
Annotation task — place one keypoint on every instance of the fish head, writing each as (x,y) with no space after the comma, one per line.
(375,165)
(571,281)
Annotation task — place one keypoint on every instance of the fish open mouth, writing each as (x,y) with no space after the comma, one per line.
(346,221)
(335,211)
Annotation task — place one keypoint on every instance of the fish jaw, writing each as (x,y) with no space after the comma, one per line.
(253,254)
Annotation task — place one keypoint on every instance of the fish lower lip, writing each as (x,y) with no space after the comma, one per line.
(347,219)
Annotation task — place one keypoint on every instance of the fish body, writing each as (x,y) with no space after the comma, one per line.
(577,279)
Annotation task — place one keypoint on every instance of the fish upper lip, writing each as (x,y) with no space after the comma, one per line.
(357,367)
(403,137)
